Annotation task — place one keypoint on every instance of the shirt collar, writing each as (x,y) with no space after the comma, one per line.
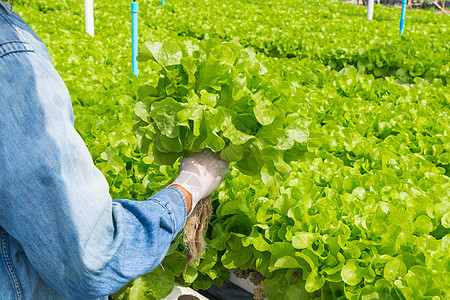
(6,7)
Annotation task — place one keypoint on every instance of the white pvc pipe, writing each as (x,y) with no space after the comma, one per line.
(370,9)
(89,16)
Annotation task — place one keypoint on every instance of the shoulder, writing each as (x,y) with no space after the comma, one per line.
(16,36)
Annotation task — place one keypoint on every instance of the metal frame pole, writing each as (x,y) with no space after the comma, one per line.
(402,18)
(134,35)
(89,16)
(370,9)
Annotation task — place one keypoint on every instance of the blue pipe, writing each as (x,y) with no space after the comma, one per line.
(163,3)
(402,19)
(134,34)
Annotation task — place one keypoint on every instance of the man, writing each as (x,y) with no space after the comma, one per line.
(61,236)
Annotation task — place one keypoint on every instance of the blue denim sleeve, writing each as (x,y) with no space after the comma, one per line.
(53,199)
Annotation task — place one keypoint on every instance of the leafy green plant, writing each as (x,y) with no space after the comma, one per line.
(218,96)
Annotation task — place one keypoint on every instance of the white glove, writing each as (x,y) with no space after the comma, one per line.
(201,174)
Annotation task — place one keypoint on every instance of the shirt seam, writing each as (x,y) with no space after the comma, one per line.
(12,272)
(14,47)
(170,214)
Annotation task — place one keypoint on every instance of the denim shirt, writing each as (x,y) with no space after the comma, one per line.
(61,234)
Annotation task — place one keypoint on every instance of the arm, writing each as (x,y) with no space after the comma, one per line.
(55,202)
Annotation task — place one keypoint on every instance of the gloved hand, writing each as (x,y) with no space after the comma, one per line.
(201,174)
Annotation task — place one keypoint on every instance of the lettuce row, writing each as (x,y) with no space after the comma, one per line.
(364,213)
(335,34)
(354,210)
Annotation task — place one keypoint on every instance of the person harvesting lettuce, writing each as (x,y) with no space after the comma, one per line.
(61,234)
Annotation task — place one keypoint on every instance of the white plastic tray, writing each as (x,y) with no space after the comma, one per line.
(243,283)
(180,291)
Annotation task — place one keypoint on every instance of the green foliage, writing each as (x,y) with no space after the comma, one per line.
(335,34)
(357,209)
(152,286)
(355,204)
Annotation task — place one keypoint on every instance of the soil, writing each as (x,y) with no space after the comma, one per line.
(242,273)
(257,278)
